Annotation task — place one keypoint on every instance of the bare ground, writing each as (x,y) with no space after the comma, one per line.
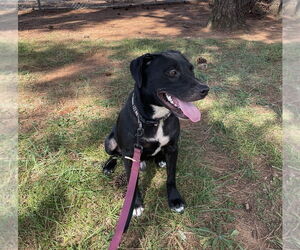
(176,20)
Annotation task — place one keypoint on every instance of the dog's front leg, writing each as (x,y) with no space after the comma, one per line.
(175,201)
(138,201)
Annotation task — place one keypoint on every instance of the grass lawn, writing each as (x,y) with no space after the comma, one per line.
(229,163)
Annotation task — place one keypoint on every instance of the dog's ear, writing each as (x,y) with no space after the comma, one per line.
(137,66)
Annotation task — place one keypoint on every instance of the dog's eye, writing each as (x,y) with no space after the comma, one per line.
(173,73)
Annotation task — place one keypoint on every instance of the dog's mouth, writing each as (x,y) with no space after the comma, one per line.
(182,109)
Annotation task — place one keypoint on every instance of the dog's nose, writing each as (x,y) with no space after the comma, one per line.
(204,90)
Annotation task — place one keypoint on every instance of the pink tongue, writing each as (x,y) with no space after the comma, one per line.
(188,109)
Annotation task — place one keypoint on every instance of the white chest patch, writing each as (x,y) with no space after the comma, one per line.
(159,112)
(159,137)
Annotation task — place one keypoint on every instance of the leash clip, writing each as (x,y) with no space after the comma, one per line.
(138,146)
(140,132)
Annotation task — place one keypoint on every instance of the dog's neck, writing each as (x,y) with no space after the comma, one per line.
(147,108)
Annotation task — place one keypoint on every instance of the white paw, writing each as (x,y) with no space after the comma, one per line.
(137,211)
(143,165)
(162,164)
(178,209)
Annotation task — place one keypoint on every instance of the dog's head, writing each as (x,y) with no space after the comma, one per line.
(167,79)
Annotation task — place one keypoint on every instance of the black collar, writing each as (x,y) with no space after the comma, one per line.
(142,120)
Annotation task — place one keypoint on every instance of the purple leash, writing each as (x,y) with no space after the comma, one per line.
(124,215)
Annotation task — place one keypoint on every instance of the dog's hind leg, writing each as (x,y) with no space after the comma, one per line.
(111,147)
(110,144)
(110,165)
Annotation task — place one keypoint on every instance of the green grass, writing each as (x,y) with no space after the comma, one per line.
(67,203)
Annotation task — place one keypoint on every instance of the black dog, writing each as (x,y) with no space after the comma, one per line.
(165,85)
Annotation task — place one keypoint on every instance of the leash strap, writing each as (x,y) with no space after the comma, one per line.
(115,242)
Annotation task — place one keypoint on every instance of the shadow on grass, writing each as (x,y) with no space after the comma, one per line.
(39,224)
(58,137)
(49,55)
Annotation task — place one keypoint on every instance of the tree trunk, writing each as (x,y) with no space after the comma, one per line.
(228,14)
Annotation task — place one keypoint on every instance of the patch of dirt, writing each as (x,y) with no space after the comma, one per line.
(163,21)
(249,232)
(253,233)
